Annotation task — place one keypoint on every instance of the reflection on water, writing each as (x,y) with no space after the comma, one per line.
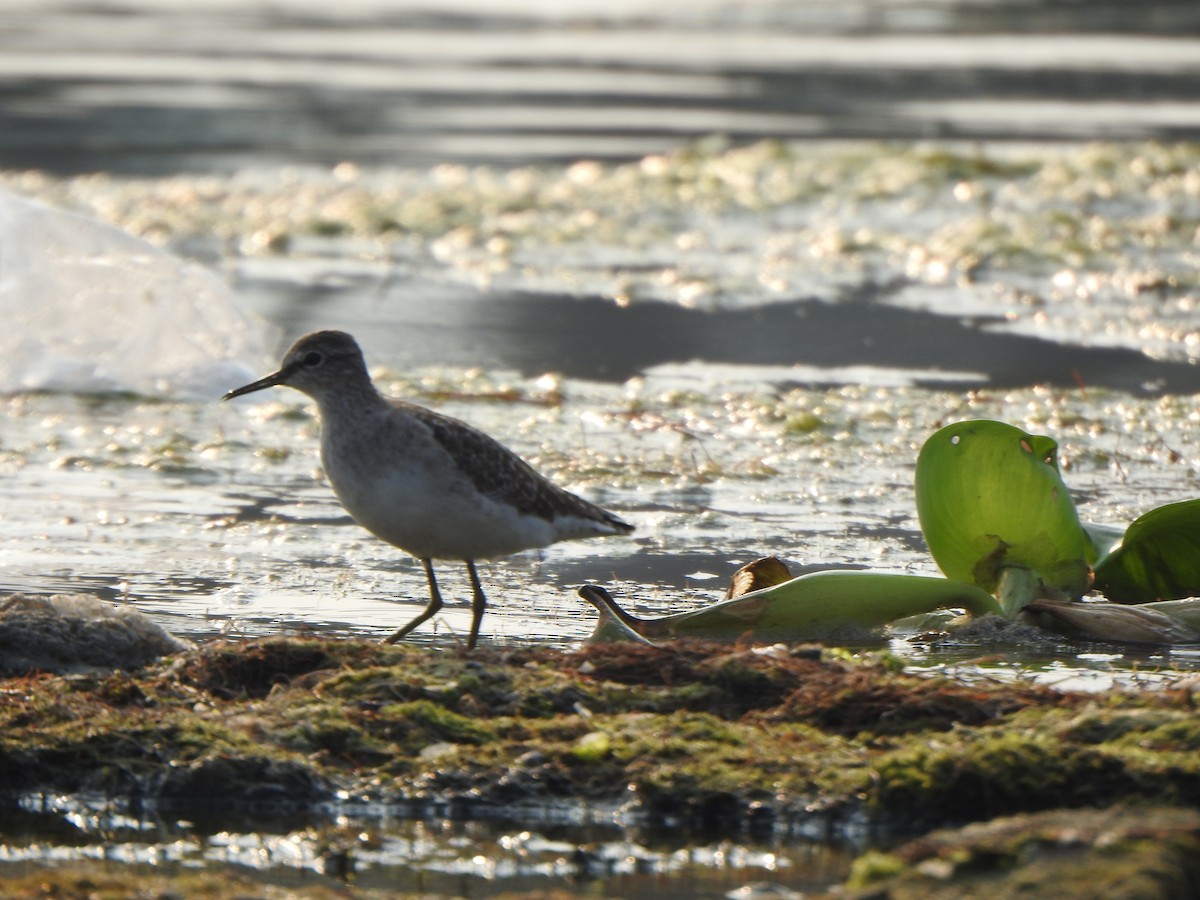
(423,850)
(1063,665)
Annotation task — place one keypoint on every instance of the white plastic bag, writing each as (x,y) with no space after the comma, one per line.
(88,308)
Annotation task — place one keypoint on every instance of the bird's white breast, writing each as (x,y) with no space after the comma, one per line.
(396,481)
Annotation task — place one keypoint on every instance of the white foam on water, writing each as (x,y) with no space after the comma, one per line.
(88,308)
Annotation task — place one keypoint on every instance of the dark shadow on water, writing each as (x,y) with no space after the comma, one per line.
(415,325)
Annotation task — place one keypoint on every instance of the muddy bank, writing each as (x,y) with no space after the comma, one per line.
(701,739)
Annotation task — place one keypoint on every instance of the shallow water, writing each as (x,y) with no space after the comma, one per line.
(738,346)
(711,478)
(429,851)
(660,359)
(152,87)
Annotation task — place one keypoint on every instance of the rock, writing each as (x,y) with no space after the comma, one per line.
(77,633)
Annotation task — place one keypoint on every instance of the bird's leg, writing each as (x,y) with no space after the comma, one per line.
(435,603)
(478,604)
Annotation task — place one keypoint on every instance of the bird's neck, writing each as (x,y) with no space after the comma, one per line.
(352,400)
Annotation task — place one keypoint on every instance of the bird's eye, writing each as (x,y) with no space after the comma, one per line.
(312,359)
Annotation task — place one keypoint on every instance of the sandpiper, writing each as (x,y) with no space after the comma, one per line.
(424,482)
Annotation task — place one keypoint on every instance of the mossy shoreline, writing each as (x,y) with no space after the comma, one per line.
(706,738)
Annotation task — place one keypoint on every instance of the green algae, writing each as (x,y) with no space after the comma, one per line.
(717,740)
(1124,851)
(691,720)
(100,881)
(1006,772)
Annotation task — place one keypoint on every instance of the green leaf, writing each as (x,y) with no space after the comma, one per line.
(1159,559)
(1105,538)
(990,497)
(812,607)
(1016,588)
(614,625)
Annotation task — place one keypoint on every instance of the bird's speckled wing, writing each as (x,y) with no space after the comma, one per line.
(499,473)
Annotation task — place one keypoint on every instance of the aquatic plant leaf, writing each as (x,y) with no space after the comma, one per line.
(816,606)
(614,625)
(1016,587)
(1111,622)
(1159,558)
(1105,538)
(990,496)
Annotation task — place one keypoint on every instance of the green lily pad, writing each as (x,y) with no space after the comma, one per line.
(1159,558)
(990,497)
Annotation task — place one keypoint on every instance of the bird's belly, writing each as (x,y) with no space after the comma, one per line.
(443,520)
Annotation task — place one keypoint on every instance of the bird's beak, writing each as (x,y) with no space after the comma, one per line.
(275,378)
